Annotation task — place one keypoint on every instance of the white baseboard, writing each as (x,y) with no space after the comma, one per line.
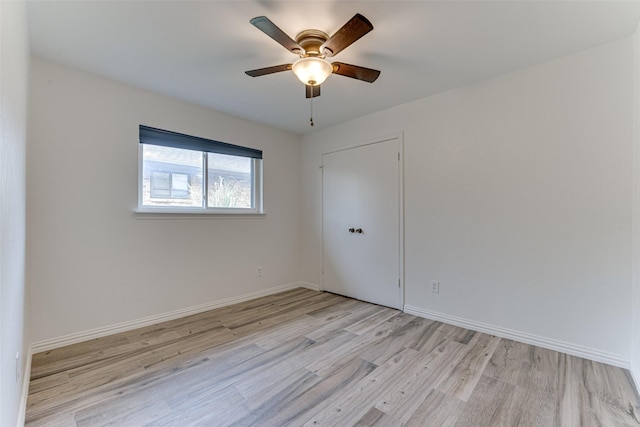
(24,394)
(50,344)
(309,285)
(549,343)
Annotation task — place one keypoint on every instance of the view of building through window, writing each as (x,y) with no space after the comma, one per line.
(174,177)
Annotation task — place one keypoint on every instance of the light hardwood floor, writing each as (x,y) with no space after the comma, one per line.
(305,358)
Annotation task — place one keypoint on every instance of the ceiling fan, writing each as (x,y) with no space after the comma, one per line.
(313,47)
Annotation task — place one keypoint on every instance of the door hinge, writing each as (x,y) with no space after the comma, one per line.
(398,156)
(398,282)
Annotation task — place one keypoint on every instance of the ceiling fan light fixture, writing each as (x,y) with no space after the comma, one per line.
(312,70)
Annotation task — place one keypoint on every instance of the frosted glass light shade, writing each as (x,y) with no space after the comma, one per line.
(312,70)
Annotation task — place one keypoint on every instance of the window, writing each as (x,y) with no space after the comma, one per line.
(182,173)
(169,185)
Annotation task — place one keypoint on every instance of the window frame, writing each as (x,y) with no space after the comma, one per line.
(205,209)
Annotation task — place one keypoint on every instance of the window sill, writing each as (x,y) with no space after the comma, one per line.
(156,214)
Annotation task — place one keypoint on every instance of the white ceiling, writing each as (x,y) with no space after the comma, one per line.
(198,50)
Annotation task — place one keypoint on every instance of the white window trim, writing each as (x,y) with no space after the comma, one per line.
(148,214)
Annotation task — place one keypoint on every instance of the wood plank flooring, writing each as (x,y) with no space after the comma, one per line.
(305,358)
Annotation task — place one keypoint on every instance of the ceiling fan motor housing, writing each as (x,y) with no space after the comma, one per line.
(311,41)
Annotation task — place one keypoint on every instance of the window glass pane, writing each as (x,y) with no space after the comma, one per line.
(179,185)
(230,181)
(160,185)
(171,176)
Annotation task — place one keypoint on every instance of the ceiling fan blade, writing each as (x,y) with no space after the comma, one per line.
(355,28)
(355,72)
(269,28)
(268,70)
(311,91)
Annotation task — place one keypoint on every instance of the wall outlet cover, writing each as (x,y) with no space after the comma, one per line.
(435,286)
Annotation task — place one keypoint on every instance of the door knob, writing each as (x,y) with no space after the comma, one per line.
(352,230)
(359,230)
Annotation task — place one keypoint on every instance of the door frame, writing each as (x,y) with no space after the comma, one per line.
(400,137)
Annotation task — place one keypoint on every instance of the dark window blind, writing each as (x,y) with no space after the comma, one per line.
(165,138)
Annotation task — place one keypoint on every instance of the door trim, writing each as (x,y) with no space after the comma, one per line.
(400,137)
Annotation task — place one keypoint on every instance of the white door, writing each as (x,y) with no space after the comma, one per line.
(361,222)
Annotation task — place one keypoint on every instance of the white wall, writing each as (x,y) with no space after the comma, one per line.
(518,199)
(91,262)
(14,79)
(635,330)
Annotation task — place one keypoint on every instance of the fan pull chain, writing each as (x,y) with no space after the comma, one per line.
(311,118)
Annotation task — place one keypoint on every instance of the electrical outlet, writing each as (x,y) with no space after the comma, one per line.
(18,367)
(435,286)
(259,272)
